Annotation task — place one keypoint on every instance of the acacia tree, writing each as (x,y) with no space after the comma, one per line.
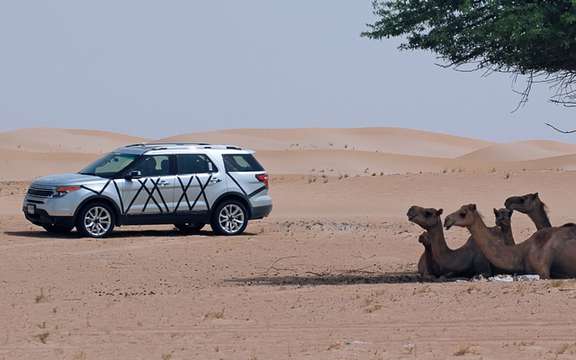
(535,38)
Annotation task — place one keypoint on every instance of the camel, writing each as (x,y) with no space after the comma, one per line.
(550,252)
(427,267)
(466,261)
(503,226)
(531,205)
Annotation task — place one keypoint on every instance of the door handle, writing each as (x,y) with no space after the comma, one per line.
(163,183)
(215,180)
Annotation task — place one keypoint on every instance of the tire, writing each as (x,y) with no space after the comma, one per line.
(189,228)
(229,218)
(101,228)
(58,229)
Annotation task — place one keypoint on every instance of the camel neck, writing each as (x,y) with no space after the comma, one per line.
(505,257)
(507,235)
(442,254)
(540,218)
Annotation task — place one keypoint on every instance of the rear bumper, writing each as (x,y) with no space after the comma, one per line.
(260,212)
(41,217)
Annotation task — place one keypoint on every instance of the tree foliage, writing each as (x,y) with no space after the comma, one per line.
(528,37)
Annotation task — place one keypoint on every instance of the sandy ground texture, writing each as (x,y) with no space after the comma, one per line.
(330,275)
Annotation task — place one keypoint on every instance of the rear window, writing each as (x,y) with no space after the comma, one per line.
(194,164)
(241,163)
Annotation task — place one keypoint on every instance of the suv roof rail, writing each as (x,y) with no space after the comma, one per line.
(177,143)
(165,145)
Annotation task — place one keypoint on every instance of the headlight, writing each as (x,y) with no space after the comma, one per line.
(63,190)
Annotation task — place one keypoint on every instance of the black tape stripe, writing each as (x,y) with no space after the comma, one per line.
(151,196)
(135,196)
(202,187)
(184,193)
(119,197)
(87,188)
(202,190)
(254,193)
(160,193)
(105,186)
(236,182)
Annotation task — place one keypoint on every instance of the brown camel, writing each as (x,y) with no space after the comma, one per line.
(466,261)
(503,226)
(531,205)
(427,267)
(549,252)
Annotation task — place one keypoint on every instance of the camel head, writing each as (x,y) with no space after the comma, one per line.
(524,204)
(503,217)
(426,218)
(463,217)
(424,239)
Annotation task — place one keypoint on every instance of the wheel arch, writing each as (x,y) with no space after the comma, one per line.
(102,199)
(234,196)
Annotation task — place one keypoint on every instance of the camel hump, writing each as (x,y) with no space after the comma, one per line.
(568,225)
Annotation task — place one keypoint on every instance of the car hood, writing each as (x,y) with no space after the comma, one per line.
(66,179)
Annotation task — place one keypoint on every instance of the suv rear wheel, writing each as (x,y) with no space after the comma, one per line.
(96,220)
(229,218)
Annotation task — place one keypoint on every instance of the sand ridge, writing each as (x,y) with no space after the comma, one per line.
(338,152)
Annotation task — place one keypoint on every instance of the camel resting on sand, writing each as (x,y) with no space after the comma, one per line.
(503,227)
(466,261)
(531,205)
(427,266)
(550,252)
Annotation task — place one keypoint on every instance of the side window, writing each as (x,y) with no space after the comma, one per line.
(153,165)
(241,163)
(194,164)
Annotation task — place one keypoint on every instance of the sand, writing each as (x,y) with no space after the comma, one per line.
(330,275)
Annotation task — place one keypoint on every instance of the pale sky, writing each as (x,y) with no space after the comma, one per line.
(157,68)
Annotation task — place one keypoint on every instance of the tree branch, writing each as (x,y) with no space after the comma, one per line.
(561,131)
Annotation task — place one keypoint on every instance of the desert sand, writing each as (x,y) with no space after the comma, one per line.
(329,275)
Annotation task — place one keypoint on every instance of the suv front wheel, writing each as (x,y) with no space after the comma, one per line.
(96,220)
(229,218)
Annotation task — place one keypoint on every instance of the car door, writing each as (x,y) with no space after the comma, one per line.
(153,191)
(199,183)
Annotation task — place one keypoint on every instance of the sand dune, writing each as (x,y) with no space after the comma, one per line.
(24,165)
(342,162)
(64,140)
(28,153)
(521,151)
(387,140)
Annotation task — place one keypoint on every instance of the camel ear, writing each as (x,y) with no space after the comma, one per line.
(439,212)
(473,207)
(495,212)
(535,195)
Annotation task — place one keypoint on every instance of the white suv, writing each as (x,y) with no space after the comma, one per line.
(188,185)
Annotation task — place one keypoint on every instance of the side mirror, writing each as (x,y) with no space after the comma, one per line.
(134,174)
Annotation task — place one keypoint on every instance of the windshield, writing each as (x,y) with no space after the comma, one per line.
(109,165)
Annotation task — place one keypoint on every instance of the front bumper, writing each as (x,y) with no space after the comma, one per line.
(41,217)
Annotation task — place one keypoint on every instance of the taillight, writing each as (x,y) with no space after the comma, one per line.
(263,178)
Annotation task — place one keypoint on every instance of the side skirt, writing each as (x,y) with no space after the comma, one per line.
(172,218)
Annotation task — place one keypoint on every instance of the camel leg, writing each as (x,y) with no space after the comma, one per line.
(424,268)
(540,263)
(482,266)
